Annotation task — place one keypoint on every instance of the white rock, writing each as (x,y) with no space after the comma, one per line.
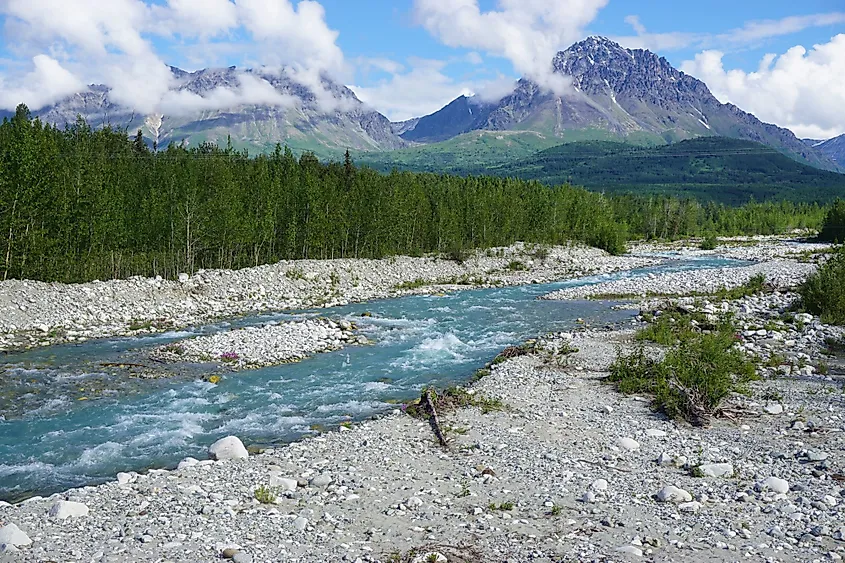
(414,502)
(124,478)
(183,278)
(693,506)
(716,470)
(282,483)
(187,462)
(673,494)
(773,484)
(628,444)
(430,557)
(655,433)
(68,509)
(10,534)
(229,447)
(665,459)
(599,485)
(630,550)
(774,408)
(607,409)
(300,523)
(322,480)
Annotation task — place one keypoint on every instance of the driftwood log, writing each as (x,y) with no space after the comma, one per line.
(433,419)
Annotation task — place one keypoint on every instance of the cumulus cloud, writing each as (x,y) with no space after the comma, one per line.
(801,89)
(526,32)
(426,87)
(252,90)
(111,42)
(49,81)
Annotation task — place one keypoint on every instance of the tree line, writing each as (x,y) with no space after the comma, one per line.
(78,204)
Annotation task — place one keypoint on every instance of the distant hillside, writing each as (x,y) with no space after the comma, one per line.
(714,168)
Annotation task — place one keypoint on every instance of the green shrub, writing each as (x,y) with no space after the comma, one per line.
(265,495)
(517,266)
(415,284)
(833,229)
(610,237)
(823,293)
(710,242)
(692,380)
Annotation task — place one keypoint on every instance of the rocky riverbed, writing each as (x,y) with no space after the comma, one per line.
(567,470)
(40,314)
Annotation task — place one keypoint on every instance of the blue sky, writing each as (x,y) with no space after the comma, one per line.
(409,57)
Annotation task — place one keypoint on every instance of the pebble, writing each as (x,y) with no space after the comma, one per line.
(774,484)
(628,444)
(716,470)
(671,493)
(774,408)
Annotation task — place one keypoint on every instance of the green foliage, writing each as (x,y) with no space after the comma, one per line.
(505,506)
(823,293)
(295,274)
(81,204)
(731,171)
(265,495)
(710,242)
(833,229)
(516,266)
(454,398)
(414,284)
(693,378)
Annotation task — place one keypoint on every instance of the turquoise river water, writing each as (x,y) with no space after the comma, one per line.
(51,441)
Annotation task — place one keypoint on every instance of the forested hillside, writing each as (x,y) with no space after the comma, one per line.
(80,204)
(715,168)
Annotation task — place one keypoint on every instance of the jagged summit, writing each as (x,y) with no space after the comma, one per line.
(617,93)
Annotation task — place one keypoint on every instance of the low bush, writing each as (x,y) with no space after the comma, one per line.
(823,293)
(710,242)
(694,377)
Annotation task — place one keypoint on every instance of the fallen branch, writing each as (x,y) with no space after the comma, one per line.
(433,419)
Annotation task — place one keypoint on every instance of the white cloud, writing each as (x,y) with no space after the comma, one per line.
(426,87)
(526,32)
(419,91)
(111,42)
(46,84)
(253,90)
(800,89)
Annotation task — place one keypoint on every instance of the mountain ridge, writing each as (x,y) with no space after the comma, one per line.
(625,92)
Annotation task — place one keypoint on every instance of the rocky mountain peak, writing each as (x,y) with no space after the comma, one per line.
(598,65)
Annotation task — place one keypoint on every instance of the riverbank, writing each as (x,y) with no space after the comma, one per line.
(567,470)
(41,314)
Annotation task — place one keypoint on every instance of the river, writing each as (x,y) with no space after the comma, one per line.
(56,433)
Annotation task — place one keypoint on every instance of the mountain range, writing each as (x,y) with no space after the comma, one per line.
(617,94)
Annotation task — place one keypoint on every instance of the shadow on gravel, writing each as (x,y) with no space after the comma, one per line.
(450,553)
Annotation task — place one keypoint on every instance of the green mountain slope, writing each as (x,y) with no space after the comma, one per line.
(470,153)
(712,168)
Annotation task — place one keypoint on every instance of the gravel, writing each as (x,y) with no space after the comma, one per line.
(552,477)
